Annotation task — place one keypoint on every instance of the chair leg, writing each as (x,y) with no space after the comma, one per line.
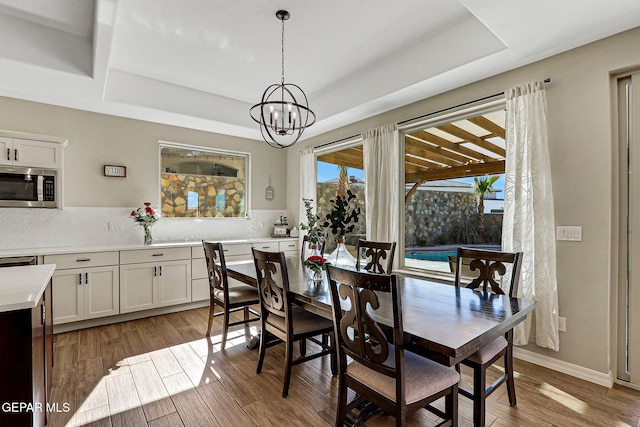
(508,369)
(451,405)
(212,308)
(225,327)
(288,357)
(303,347)
(333,357)
(263,349)
(341,411)
(479,398)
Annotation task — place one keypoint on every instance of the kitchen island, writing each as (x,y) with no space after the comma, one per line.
(26,344)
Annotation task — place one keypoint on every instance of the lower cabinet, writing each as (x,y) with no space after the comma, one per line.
(85,293)
(146,285)
(25,370)
(85,286)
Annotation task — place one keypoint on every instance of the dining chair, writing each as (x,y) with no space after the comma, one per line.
(230,299)
(380,371)
(488,272)
(285,321)
(373,254)
(306,247)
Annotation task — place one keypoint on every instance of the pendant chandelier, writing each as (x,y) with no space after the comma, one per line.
(283,113)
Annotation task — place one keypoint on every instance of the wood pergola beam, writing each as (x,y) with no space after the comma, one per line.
(422,148)
(488,125)
(469,137)
(453,146)
(489,168)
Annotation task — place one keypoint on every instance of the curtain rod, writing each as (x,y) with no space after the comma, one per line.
(547,80)
(339,140)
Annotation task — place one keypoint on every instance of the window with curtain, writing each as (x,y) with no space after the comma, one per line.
(337,169)
(454,167)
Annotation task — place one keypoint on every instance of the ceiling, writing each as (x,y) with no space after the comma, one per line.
(203,63)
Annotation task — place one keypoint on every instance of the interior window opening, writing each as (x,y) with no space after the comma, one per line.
(198,182)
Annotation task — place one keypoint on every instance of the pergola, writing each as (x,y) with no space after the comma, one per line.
(471,147)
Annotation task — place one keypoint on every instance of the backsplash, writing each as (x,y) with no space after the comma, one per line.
(43,228)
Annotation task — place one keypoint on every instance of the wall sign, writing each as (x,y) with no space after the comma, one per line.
(119,171)
(268,193)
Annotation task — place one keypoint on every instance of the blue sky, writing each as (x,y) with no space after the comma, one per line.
(327,171)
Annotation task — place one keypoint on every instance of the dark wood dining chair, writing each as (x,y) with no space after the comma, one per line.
(380,370)
(230,299)
(283,321)
(374,255)
(305,250)
(484,270)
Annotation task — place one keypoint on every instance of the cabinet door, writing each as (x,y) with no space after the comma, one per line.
(174,282)
(37,154)
(6,151)
(67,296)
(101,292)
(138,287)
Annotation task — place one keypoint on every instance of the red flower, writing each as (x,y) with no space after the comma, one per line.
(147,204)
(133,213)
(148,209)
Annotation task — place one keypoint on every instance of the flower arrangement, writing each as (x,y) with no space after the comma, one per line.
(145,217)
(343,216)
(315,263)
(314,232)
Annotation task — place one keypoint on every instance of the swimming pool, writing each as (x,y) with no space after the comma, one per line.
(430,256)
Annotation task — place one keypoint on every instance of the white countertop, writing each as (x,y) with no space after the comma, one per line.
(22,287)
(124,247)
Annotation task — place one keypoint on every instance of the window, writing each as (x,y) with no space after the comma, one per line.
(198,182)
(454,185)
(336,168)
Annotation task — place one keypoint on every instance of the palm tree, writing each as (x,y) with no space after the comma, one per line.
(343,181)
(481,187)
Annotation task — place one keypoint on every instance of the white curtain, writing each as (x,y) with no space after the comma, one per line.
(528,210)
(381,176)
(307,183)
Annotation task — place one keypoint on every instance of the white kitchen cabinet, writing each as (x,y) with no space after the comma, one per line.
(290,248)
(146,285)
(85,286)
(26,152)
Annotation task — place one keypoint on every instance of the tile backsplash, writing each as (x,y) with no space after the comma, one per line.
(42,228)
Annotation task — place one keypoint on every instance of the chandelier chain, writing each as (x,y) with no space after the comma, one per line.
(282,52)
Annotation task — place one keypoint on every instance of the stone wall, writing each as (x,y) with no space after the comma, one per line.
(216,196)
(430,216)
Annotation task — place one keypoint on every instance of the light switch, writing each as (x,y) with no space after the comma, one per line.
(570,233)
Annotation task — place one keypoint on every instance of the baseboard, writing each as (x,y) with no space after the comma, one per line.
(577,371)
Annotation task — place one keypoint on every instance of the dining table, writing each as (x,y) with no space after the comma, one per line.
(445,322)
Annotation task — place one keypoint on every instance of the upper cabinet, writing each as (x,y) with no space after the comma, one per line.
(30,153)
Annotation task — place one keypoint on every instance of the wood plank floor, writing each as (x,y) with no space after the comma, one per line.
(162,371)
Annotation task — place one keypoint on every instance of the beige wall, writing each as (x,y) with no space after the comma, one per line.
(581,145)
(99,139)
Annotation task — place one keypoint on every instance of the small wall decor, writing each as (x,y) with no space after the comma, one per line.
(118,171)
(268,193)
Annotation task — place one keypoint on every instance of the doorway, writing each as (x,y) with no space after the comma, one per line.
(628,331)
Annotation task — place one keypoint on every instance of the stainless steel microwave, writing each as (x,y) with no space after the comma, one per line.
(28,187)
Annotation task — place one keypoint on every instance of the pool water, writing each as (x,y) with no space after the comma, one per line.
(430,256)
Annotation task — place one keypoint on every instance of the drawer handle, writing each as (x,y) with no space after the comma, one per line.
(266,247)
(83,259)
(160,254)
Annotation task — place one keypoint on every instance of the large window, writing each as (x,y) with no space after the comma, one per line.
(339,170)
(454,186)
(199,182)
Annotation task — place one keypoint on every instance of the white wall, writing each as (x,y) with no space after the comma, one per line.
(99,139)
(581,146)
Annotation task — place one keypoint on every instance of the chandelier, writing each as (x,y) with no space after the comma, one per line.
(283,113)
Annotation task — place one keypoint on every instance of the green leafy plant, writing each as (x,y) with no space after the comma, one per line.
(465,232)
(442,239)
(421,241)
(343,216)
(313,229)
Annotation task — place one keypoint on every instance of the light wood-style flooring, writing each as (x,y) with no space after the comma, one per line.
(163,371)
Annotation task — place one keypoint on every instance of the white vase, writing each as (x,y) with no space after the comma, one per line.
(341,257)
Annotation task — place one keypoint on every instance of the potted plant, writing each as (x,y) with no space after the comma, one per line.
(312,227)
(340,220)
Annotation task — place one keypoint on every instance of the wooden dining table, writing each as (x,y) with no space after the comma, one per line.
(446,322)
